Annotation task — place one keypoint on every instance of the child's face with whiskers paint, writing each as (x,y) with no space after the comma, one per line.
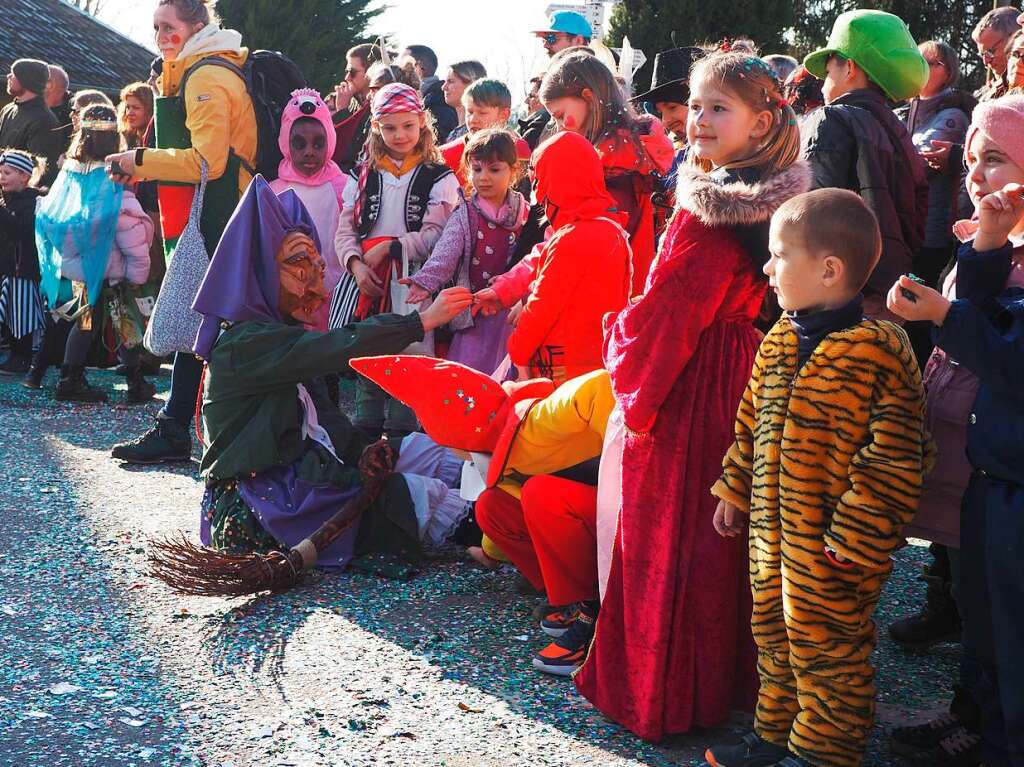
(401,133)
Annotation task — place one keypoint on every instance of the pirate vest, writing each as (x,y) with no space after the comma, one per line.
(417,195)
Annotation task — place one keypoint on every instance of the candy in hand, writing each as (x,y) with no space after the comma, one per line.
(906,293)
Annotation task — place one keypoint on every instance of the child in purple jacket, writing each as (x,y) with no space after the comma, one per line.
(478,244)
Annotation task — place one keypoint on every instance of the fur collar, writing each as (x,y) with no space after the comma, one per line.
(740,199)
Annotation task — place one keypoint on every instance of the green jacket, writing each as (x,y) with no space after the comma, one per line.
(251,414)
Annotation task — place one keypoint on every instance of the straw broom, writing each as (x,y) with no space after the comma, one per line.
(192,569)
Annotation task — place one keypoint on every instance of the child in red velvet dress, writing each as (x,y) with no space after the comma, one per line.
(673,648)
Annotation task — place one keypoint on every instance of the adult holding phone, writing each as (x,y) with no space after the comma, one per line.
(203,113)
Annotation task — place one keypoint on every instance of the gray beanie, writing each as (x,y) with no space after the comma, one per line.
(32,74)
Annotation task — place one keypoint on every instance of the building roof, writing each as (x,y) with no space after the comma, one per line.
(94,55)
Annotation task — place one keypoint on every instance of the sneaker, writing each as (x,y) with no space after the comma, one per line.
(15,366)
(961,748)
(752,751)
(168,441)
(937,622)
(919,740)
(558,620)
(563,656)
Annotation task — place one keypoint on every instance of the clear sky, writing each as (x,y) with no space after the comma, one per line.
(496,32)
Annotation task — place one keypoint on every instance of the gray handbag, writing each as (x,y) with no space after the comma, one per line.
(174,324)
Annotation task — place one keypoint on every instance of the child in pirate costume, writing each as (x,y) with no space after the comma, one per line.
(393,214)
(537,447)
(21,307)
(279,458)
(827,464)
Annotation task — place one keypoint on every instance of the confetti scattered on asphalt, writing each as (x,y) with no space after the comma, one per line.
(102,666)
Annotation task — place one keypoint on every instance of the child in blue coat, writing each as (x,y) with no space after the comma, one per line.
(984,332)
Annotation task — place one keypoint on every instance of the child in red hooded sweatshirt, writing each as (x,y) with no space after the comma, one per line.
(584,271)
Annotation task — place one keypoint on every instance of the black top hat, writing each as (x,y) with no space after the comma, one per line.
(671,72)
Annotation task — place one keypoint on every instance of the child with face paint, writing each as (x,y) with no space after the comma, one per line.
(392,216)
(307,143)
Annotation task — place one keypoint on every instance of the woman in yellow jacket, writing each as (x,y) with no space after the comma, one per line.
(211,118)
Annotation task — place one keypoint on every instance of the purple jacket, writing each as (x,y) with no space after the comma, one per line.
(450,259)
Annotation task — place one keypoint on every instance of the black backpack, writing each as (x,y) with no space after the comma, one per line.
(270,77)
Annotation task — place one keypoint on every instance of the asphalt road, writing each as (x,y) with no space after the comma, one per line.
(100,665)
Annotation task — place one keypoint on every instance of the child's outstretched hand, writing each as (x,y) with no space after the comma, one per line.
(417,295)
(486,301)
(927,305)
(449,304)
(998,215)
(729,520)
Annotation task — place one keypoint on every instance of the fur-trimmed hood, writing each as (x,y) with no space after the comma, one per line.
(738,197)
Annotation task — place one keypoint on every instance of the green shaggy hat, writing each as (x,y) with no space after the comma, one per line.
(881,45)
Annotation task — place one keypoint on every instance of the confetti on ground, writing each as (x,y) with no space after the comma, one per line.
(102,667)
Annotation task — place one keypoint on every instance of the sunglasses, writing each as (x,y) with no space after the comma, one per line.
(550,37)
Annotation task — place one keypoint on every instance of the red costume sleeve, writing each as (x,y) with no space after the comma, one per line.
(648,344)
(561,273)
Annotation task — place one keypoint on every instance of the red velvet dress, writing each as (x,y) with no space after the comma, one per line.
(673,648)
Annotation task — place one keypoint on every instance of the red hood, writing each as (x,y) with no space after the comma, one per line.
(570,180)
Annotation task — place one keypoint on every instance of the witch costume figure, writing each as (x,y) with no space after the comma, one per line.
(279,459)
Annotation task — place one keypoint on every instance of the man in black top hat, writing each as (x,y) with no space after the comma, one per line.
(670,95)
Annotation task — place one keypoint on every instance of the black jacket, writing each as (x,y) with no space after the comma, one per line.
(64,128)
(32,127)
(446,119)
(858,143)
(18,256)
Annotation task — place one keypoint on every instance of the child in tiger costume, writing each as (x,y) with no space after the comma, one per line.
(828,461)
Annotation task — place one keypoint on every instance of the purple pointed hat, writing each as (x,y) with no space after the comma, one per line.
(242,280)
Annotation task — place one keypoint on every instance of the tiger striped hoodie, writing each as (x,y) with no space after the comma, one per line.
(836,448)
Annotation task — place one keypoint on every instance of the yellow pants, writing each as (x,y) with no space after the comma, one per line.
(813,626)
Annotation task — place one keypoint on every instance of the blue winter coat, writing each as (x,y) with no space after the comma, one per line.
(985,333)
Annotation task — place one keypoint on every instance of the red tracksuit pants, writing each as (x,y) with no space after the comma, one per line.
(550,534)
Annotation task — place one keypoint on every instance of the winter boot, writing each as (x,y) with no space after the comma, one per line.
(34,378)
(168,441)
(938,621)
(16,365)
(73,387)
(139,389)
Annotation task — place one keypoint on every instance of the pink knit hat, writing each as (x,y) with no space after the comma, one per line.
(1002,120)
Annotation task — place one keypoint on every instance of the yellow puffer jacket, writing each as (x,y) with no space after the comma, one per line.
(219,111)
(561,431)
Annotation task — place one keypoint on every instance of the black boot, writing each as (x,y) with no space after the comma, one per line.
(168,441)
(16,365)
(34,378)
(938,621)
(73,387)
(139,389)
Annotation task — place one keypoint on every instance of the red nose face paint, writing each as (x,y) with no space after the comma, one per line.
(176,39)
